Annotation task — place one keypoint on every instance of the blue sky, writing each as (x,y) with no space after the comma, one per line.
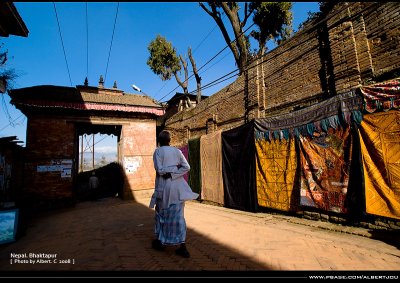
(39,58)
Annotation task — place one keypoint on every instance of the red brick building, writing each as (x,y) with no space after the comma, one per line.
(58,115)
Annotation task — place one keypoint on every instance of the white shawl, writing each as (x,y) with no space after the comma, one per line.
(173,190)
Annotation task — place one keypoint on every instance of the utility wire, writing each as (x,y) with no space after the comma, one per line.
(112,38)
(218,81)
(245,68)
(88,146)
(197,47)
(161,88)
(197,70)
(209,60)
(11,123)
(214,64)
(5,108)
(194,50)
(62,43)
(87,42)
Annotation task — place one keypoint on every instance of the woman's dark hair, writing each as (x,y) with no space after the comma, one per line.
(164,138)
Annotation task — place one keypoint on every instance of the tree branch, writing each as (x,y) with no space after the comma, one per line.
(241,48)
(183,84)
(217,18)
(196,75)
(247,13)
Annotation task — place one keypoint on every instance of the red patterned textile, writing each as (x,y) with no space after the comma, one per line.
(382,96)
(325,169)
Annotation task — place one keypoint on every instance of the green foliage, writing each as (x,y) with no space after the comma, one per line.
(324,9)
(163,59)
(274,21)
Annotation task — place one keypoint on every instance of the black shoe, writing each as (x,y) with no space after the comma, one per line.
(157,245)
(182,252)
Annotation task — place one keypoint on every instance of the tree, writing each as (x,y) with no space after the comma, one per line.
(196,75)
(164,62)
(7,76)
(324,9)
(239,47)
(272,19)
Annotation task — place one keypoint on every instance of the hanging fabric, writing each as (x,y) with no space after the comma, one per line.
(238,168)
(381,96)
(195,166)
(212,188)
(325,169)
(334,112)
(380,146)
(276,164)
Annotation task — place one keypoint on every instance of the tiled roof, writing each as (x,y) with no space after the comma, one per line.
(11,22)
(71,94)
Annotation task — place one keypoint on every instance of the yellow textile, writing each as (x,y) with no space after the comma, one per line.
(212,188)
(380,148)
(275,174)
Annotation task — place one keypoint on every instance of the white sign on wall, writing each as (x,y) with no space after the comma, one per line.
(132,163)
(64,166)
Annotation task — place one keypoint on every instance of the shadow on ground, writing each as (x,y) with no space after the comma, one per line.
(391,237)
(111,234)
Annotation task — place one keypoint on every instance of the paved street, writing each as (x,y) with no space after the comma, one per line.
(114,235)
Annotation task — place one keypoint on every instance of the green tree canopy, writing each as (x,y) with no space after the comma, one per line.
(163,60)
(274,21)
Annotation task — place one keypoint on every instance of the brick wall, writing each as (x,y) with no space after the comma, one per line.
(11,164)
(54,139)
(225,109)
(43,149)
(356,43)
(382,25)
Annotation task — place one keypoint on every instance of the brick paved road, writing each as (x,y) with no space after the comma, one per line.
(115,235)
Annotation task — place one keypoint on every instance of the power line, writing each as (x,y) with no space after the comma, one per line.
(194,50)
(210,60)
(11,123)
(62,43)
(112,38)
(197,47)
(161,88)
(202,41)
(5,108)
(214,64)
(218,81)
(88,146)
(197,70)
(87,42)
(245,68)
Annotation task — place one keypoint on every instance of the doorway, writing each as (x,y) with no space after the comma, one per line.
(97,150)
